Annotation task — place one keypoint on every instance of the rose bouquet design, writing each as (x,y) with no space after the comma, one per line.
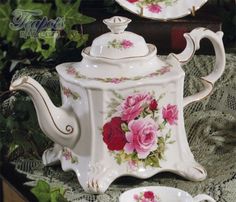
(120,44)
(147,196)
(135,131)
(154,6)
(67,154)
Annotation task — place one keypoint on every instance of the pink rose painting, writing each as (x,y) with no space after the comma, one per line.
(71,71)
(142,137)
(170,114)
(153,6)
(147,196)
(126,44)
(133,105)
(67,154)
(132,1)
(120,44)
(135,129)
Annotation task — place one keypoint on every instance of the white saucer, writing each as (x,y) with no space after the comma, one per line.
(161,194)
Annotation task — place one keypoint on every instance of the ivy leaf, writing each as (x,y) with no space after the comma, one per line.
(1,145)
(5,31)
(41,186)
(30,43)
(61,190)
(49,39)
(29,5)
(10,123)
(75,36)
(42,191)
(45,44)
(12,147)
(56,196)
(1,61)
(71,15)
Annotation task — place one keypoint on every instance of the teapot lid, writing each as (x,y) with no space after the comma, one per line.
(118,43)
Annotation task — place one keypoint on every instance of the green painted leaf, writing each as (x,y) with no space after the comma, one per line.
(171,142)
(117,95)
(118,159)
(124,127)
(168,135)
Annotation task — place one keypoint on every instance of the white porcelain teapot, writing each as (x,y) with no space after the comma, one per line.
(122,111)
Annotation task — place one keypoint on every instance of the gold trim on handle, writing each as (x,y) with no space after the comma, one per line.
(192,54)
(212,85)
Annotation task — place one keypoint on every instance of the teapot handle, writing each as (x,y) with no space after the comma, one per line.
(193,43)
(203,197)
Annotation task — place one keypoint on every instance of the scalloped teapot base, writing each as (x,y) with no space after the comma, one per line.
(99,175)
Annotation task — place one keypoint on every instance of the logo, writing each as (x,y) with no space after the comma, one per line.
(31,22)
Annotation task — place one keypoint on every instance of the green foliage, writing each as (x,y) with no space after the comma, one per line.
(30,5)
(71,14)
(68,12)
(21,55)
(47,38)
(19,135)
(75,36)
(45,193)
(5,19)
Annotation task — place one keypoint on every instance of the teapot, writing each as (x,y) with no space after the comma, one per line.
(122,108)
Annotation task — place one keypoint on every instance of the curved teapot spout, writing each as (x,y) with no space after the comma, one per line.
(58,123)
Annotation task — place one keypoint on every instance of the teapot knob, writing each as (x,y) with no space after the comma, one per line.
(117,24)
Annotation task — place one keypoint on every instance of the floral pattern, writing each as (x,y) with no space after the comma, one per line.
(120,44)
(69,93)
(67,154)
(154,6)
(136,131)
(72,71)
(147,196)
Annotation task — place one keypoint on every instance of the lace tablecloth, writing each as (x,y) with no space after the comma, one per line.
(211,129)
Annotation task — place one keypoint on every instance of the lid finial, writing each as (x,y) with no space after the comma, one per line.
(117,24)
